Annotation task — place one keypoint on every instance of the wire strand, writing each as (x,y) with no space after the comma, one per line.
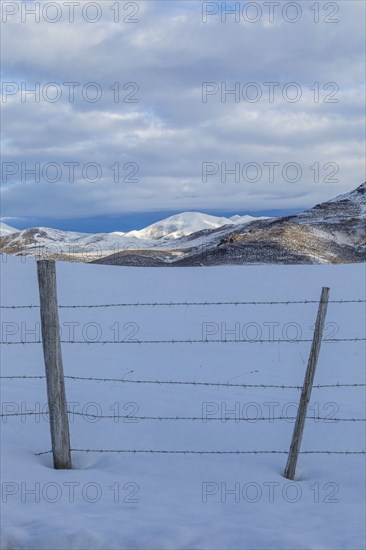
(184,418)
(188,304)
(189,341)
(192,452)
(184,383)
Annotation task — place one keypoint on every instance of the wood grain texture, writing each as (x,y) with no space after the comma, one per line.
(307,386)
(59,424)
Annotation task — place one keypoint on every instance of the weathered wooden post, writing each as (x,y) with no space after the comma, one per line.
(307,387)
(59,423)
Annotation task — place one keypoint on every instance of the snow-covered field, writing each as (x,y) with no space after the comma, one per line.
(216,501)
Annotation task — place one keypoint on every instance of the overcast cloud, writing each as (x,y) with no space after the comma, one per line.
(170,139)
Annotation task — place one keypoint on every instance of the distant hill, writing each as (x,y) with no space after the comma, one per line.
(330,232)
(7,229)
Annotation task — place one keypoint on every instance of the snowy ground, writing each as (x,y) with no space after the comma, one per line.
(185,501)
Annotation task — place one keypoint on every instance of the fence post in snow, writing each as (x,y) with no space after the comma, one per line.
(50,326)
(307,387)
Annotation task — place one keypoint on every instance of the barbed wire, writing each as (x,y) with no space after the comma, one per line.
(192,452)
(219,419)
(190,341)
(189,304)
(21,377)
(185,418)
(184,383)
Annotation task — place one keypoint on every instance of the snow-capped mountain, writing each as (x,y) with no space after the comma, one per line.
(179,225)
(331,232)
(87,247)
(185,224)
(7,229)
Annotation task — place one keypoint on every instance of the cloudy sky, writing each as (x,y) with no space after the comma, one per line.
(132,118)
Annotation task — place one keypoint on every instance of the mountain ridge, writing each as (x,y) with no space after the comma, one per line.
(330,232)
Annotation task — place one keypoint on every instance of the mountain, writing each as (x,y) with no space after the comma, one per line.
(41,241)
(7,229)
(180,225)
(185,224)
(330,232)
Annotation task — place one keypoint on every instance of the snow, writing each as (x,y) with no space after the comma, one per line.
(356,195)
(174,227)
(181,225)
(179,501)
(88,247)
(186,223)
(7,229)
(246,219)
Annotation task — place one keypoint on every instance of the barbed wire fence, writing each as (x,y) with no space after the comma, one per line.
(189,418)
(189,304)
(190,341)
(183,382)
(186,304)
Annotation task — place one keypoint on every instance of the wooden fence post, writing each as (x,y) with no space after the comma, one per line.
(59,423)
(307,387)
